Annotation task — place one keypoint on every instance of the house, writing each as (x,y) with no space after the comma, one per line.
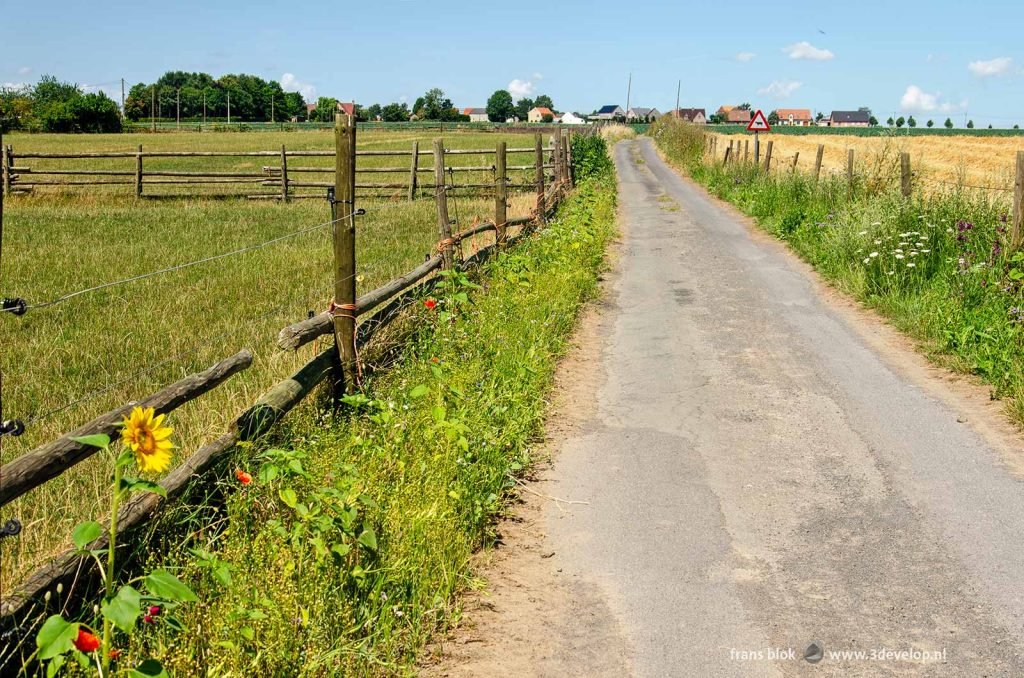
(347,108)
(309,109)
(695,115)
(638,114)
(476,114)
(610,112)
(538,113)
(734,115)
(795,117)
(860,118)
(571,118)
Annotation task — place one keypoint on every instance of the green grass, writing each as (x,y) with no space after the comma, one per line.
(109,341)
(936,265)
(293,584)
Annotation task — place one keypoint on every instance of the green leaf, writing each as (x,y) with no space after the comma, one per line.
(419,391)
(163,584)
(86,533)
(248,633)
(174,623)
(100,440)
(340,549)
(150,668)
(368,539)
(289,497)
(54,666)
(124,608)
(139,485)
(56,637)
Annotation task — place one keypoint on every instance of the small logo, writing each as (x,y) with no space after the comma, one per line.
(814,653)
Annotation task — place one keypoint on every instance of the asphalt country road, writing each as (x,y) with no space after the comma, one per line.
(757,478)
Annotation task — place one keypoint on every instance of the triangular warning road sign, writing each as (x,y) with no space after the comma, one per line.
(759,123)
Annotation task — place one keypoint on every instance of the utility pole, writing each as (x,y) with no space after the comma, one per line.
(152,109)
(204,106)
(271,108)
(229,108)
(629,91)
(122,98)
(177,109)
(679,87)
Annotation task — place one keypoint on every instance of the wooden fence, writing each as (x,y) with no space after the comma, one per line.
(738,152)
(70,573)
(285,179)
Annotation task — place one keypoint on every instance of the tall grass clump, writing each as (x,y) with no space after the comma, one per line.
(342,549)
(616,132)
(937,265)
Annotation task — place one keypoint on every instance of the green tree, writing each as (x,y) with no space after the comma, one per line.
(395,113)
(873,121)
(948,124)
(890,122)
(433,105)
(500,107)
(744,107)
(970,124)
(326,107)
(543,101)
(523,107)
(374,111)
(911,122)
(930,123)
(773,118)
(900,121)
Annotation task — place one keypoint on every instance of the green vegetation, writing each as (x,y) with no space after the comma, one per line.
(54,106)
(936,265)
(119,344)
(346,550)
(201,96)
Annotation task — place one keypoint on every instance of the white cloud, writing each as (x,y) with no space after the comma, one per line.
(780,89)
(916,100)
(520,88)
(289,83)
(745,56)
(805,50)
(24,70)
(990,68)
(538,76)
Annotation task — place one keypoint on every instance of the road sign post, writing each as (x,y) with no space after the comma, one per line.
(758,123)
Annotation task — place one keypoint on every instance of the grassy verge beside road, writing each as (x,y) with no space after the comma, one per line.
(938,266)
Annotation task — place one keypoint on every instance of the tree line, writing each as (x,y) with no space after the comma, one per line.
(200,96)
(54,106)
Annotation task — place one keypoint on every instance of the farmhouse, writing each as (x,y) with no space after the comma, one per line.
(538,113)
(861,118)
(734,115)
(638,114)
(476,114)
(347,108)
(571,118)
(609,112)
(695,115)
(795,117)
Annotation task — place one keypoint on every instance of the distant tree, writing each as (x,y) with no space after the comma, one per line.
(990,125)
(931,123)
(819,117)
(547,117)
(523,107)
(970,124)
(716,119)
(773,118)
(395,113)
(911,122)
(62,107)
(500,107)
(434,105)
(890,122)
(948,124)
(873,121)
(544,101)
(744,107)
(325,109)
(900,121)
(1016,127)
(374,111)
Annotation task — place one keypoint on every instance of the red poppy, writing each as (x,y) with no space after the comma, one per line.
(148,619)
(430,304)
(243,478)
(86,642)
(153,610)
(435,360)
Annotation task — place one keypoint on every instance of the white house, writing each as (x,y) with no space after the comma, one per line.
(476,114)
(570,118)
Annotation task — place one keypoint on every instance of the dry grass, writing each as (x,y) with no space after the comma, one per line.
(615,133)
(116,341)
(980,161)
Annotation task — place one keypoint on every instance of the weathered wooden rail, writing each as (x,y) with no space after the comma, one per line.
(76,574)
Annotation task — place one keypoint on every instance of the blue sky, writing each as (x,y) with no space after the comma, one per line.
(934,60)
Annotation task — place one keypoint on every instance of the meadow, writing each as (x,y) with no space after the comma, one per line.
(66,363)
(938,264)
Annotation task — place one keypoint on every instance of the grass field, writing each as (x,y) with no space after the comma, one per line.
(66,363)
(936,160)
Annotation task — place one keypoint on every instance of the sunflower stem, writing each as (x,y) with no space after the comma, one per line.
(115,504)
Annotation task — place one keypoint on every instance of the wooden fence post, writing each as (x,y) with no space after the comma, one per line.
(413,169)
(746,150)
(817,162)
(538,159)
(757,148)
(7,164)
(344,304)
(444,226)
(849,166)
(284,174)
(796,158)
(1017,235)
(728,151)
(138,172)
(768,157)
(905,174)
(500,191)
(565,161)
(556,154)
(568,159)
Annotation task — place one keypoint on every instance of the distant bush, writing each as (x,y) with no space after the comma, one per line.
(682,141)
(590,157)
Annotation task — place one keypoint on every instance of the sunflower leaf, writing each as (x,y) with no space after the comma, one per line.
(85,533)
(56,637)
(100,440)
(124,608)
(139,485)
(165,585)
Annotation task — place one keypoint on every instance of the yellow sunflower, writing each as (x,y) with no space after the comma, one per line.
(145,435)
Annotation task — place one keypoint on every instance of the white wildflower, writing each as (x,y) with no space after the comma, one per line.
(900,256)
(911,265)
(874,254)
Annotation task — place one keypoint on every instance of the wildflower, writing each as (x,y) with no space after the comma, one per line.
(997,248)
(153,610)
(878,242)
(873,255)
(114,654)
(148,438)
(148,619)
(913,254)
(890,272)
(1017,315)
(86,642)
(898,250)
(867,260)
(925,251)
(863,233)
(876,223)
(435,360)
(911,265)
(900,256)
(244,478)
(431,304)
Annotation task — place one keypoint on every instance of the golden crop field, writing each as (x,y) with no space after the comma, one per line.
(971,160)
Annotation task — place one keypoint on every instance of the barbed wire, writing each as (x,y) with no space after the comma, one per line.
(961,184)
